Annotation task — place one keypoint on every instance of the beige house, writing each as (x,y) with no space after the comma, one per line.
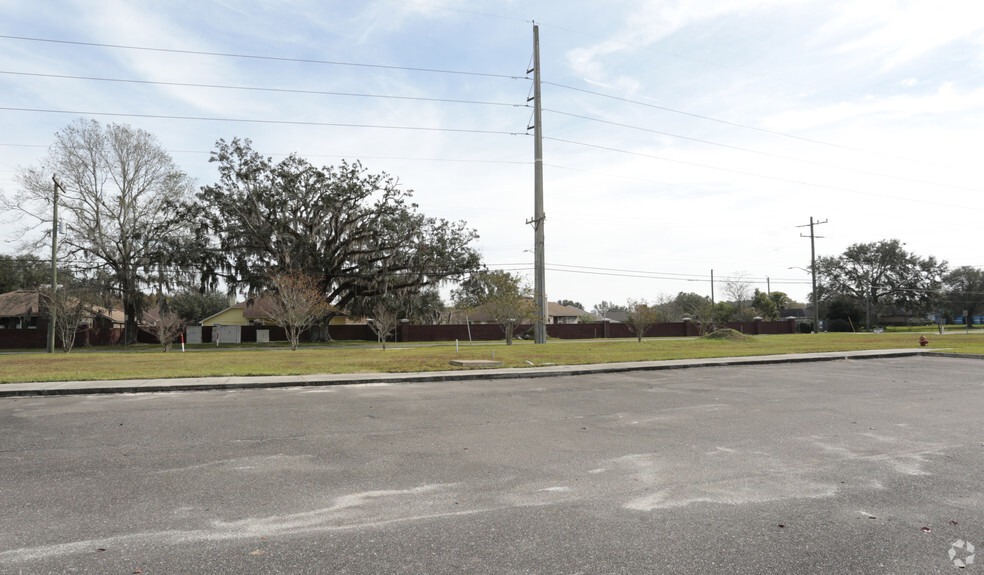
(251,312)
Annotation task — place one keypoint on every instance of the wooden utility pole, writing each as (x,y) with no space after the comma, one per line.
(712,288)
(52,314)
(539,288)
(813,272)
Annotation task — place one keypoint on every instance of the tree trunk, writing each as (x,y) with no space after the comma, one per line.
(130,323)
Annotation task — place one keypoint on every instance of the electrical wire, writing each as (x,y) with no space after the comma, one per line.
(759,152)
(763,176)
(749,127)
(259,57)
(255,121)
(261,89)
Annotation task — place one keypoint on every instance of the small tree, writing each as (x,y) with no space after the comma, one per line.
(782,301)
(70,307)
(296,304)
(765,306)
(385,318)
(698,308)
(642,315)
(166,329)
(503,296)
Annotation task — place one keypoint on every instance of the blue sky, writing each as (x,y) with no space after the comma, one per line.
(681,136)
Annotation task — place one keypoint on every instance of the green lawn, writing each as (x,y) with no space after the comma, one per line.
(149,362)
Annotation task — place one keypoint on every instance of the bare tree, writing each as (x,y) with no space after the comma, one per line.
(641,315)
(739,291)
(605,307)
(166,329)
(120,187)
(70,306)
(385,318)
(296,303)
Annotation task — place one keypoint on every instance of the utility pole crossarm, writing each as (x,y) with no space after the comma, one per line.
(813,271)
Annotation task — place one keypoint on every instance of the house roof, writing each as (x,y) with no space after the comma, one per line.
(117,316)
(478,314)
(257,308)
(617,316)
(241,304)
(26,303)
(19,303)
(556,310)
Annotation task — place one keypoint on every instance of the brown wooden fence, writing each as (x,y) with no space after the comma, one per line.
(37,338)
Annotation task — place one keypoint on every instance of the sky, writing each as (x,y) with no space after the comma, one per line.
(682,138)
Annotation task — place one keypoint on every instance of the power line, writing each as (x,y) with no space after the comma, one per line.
(284,154)
(753,174)
(748,127)
(478,102)
(261,89)
(260,57)
(751,151)
(255,121)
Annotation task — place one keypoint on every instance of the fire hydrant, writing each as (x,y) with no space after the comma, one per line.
(923,341)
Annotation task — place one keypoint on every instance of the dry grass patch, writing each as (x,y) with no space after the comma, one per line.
(727,334)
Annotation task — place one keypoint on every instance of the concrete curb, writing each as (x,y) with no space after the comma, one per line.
(322,380)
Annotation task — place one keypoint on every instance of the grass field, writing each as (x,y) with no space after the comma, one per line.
(149,362)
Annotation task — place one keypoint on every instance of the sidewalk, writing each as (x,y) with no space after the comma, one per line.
(267,382)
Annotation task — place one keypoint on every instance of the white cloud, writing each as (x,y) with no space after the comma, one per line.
(895,32)
(945,102)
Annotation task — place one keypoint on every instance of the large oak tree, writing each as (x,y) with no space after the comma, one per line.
(358,232)
(883,273)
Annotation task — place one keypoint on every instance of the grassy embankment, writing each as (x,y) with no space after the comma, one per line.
(349,359)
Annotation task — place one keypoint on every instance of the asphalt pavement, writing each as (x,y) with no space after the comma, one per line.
(748,467)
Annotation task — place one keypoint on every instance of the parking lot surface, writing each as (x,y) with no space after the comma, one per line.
(867,466)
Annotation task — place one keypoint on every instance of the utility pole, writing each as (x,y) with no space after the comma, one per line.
(712,288)
(52,314)
(813,272)
(539,288)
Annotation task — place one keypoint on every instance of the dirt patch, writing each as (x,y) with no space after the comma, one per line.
(727,334)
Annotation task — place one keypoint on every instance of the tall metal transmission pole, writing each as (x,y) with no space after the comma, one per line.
(813,273)
(539,288)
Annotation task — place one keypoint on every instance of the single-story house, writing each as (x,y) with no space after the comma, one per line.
(251,312)
(21,309)
(556,313)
